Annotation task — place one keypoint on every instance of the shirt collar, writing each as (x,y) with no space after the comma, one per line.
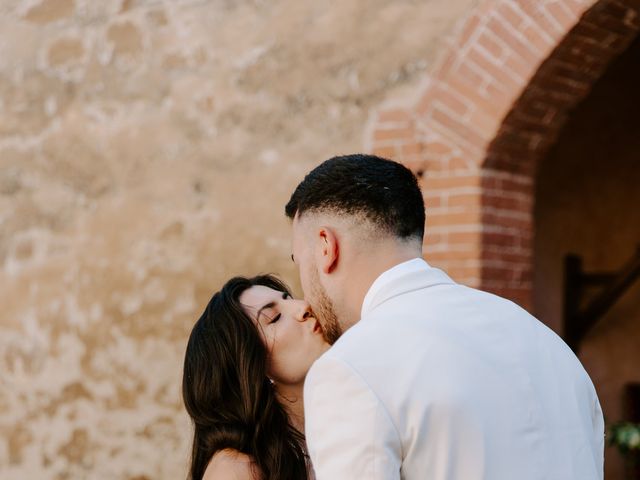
(389,277)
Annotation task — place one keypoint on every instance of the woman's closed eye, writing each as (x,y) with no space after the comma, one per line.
(275,318)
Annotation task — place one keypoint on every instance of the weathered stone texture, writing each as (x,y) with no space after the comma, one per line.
(48,11)
(146,151)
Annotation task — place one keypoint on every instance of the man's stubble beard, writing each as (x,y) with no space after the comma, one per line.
(324,310)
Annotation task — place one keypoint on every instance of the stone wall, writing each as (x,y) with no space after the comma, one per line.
(147,148)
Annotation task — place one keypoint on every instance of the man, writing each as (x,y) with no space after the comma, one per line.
(426,379)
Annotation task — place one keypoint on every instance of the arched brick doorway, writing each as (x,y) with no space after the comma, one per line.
(491,109)
(586,191)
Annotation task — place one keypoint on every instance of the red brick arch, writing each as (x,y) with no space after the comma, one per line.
(492,107)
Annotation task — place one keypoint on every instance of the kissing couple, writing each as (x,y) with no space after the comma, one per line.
(388,369)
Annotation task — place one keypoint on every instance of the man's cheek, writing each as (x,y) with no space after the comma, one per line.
(304,283)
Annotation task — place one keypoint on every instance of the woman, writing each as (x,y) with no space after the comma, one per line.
(244,371)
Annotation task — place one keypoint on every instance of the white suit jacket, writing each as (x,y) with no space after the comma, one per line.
(438,381)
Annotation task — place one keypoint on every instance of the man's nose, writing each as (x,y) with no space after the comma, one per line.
(304,311)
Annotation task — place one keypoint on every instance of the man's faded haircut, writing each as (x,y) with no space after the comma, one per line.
(384,192)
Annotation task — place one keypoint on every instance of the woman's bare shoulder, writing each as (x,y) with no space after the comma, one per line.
(231,464)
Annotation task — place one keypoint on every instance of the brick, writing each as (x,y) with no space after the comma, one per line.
(436,165)
(618,43)
(496,92)
(386,152)
(569,71)
(481,102)
(497,72)
(561,14)
(468,30)
(541,43)
(393,134)
(506,155)
(470,76)
(434,239)
(450,218)
(507,202)
(438,148)
(414,148)
(464,199)
(560,98)
(513,185)
(500,239)
(526,242)
(580,53)
(395,115)
(492,46)
(568,88)
(530,129)
(491,181)
(499,218)
(451,183)
(464,237)
(445,66)
(624,13)
(512,15)
(486,125)
(576,7)
(452,102)
(451,255)
(502,254)
(414,165)
(515,43)
(519,296)
(433,201)
(460,273)
(546,26)
(632,16)
(592,34)
(616,25)
(508,273)
(514,160)
(461,163)
(524,164)
(540,112)
(511,139)
(457,128)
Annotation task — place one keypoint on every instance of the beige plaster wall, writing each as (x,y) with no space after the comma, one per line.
(587,203)
(147,148)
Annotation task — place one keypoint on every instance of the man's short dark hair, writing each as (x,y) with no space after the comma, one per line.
(384,192)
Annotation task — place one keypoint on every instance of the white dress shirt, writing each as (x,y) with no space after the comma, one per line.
(439,381)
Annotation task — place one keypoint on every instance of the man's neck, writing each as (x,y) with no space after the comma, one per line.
(366,271)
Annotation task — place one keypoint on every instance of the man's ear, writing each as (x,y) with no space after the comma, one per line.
(328,249)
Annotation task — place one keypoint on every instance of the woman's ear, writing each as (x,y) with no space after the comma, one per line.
(328,249)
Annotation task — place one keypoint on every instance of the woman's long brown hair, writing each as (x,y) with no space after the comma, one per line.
(228,395)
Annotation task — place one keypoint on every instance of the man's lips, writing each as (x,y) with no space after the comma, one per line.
(317,328)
